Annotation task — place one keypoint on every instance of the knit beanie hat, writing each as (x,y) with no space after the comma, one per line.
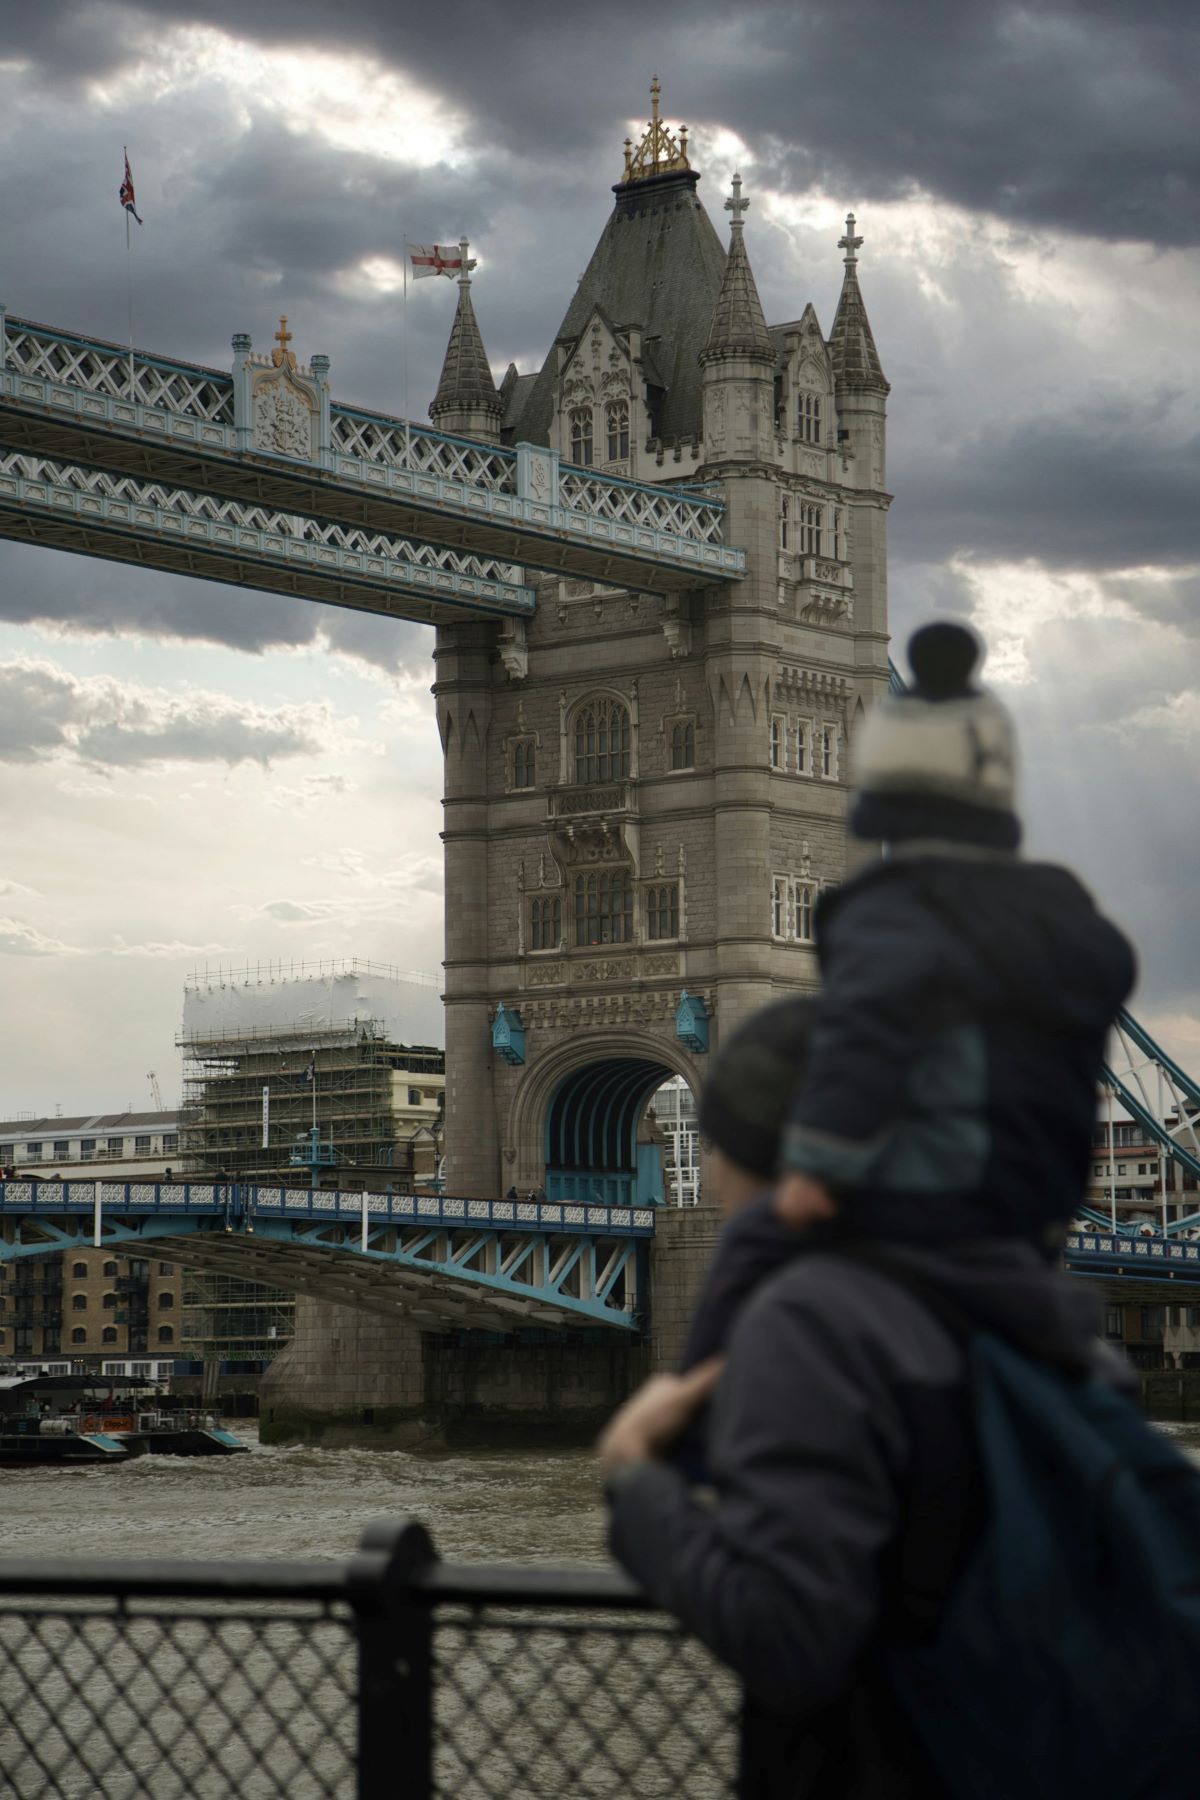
(753,1080)
(938,761)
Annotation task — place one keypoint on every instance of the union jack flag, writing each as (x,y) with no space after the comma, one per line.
(128,199)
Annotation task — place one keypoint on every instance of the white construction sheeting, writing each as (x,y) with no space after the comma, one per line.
(343,998)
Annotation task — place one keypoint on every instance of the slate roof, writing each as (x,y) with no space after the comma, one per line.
(515,391)
(466,378)
(30,1130)
(738,326)
(856,364)
(658,265)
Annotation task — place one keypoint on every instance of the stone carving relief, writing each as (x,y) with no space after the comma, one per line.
(716,423)
(283,419)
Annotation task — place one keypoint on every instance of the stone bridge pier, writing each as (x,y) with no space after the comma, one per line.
(357,1378)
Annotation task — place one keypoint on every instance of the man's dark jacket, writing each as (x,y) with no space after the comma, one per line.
(958,1043)
(847,1496)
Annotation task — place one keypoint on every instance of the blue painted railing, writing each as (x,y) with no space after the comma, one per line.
(48,1198)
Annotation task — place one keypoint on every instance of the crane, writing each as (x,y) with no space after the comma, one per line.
(152,1078)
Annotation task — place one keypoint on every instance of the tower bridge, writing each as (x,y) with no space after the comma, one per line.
(657,567)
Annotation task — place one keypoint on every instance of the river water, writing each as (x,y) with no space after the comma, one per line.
(308,1503)
(173,1707)
(526,1706)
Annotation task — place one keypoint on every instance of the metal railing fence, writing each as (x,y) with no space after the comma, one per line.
(391,1674)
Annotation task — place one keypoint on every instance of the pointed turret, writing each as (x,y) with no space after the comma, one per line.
(738,327)
(466,401)
(738,360)
(856,365)
(860,391)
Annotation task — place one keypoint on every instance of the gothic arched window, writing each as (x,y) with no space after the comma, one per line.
(662,911)
(602,739)
(810,531)
(785,520)
(523,763)
(808,417)
(581,435)
(618,430)
(604,908)
(545,924)
(683,744)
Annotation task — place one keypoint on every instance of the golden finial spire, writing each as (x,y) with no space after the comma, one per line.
(660,151)
(282,356)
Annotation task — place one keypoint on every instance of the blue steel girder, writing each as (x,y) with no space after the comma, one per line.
(83,401)
(425,1259)
(95,512)
(1120,1257)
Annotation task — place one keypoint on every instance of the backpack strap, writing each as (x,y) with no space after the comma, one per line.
(943,1500)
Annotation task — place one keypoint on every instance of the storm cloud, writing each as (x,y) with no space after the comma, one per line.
(1025,179)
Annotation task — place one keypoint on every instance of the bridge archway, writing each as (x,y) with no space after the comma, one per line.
(577,1117)
(597,1147)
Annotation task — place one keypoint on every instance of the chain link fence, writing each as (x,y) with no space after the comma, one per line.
(394,1674)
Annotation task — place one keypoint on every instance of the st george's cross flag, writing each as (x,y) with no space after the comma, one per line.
(128,200)
(435,259)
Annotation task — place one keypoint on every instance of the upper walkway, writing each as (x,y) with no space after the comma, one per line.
(83,407)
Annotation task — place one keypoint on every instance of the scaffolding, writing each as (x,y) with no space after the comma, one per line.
(348,1083)
(225,1319)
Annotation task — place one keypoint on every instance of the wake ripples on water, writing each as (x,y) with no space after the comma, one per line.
(306,1502)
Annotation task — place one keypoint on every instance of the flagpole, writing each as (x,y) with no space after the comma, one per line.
(129,292)
(404,364)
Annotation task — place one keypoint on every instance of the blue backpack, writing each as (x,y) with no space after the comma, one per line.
(1067,1660)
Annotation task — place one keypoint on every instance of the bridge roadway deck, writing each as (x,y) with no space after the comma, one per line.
(435,1260)
(71,399)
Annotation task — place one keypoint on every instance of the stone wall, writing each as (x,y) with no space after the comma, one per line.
(683,1248)
(1172,1395)
(347,1377)
(351,1377)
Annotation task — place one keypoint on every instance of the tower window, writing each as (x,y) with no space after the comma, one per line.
(829,759)
(793,898)
(581,436)
(523,763)
(808,418)
(810,530)
(803,748)
(683,744)
(602,739)
(778,741)
(785,519)
(545,924)
(662,911)
(618,430)
(604,908)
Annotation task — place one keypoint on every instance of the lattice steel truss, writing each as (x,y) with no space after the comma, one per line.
(83,401)
(185,389)
(491,1264)
(1156,1091)
(103,502)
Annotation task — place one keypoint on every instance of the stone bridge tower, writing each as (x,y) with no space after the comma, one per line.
(645,796)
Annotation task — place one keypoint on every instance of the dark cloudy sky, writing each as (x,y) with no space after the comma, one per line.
(192,773)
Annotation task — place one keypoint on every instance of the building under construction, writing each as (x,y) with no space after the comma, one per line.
(331,1074)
